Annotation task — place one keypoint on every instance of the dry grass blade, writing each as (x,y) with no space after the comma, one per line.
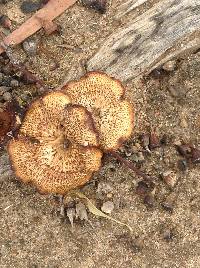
(94,210)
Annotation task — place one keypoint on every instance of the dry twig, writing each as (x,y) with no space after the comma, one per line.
(41,18)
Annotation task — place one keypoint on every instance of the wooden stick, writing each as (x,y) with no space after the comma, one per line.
(41,18)
(130,165)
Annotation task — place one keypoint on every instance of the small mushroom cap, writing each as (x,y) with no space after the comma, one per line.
(53,169)
(53,116)
(56,147)
(44,116)
(103,97)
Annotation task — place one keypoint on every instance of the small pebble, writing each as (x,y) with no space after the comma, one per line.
(182,165)
(109,195)
(168,235)
(168,204)
(104,188)
(30,6)
(81,211)
(149,200)
(141,157)
(145,139)
(99,5)
(164,140)
(169,66)
(144,187)
(134,149)
(8,69)
(5,21)
(1,77)
(7,96)
(184,150)
(4,1)
(14,83)
(170,178)
(183,122)
(3,89)
(138,244)
(107,207)
(6,81)
(195,155)
(127,152)
(30,47)
(138,157)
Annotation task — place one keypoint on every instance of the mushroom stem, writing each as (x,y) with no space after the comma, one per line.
(129,165)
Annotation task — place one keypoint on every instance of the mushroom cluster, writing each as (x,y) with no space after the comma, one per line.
(64,133)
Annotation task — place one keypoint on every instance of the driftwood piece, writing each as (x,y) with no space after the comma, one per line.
(41,18)
(127,7)
(168,29)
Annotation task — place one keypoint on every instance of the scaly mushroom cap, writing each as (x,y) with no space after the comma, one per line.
(56,148)
(103,97)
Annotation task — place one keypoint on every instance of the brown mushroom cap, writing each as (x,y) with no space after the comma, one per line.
(55,149)
(103,97)
(44,116)
(51,168)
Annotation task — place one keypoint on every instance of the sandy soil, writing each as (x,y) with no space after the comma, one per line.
(32,234)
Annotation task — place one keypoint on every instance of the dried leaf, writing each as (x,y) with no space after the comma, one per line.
(81,212)
(71,215)
(94,210)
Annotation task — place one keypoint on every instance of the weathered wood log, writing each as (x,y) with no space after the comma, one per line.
(165,31)
(127,7)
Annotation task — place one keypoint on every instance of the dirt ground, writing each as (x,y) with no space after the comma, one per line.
(33,234)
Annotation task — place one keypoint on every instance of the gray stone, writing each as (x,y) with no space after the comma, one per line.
(30,47)
(107,207)
(7,96)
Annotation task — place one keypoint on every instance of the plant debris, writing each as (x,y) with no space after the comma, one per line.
(81,211)
(170,178)
(71,213)
(6,124)
(99,5)
(5,22)
(94,210)
(154,141)
(189,152)
(40,19)
(168,203)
